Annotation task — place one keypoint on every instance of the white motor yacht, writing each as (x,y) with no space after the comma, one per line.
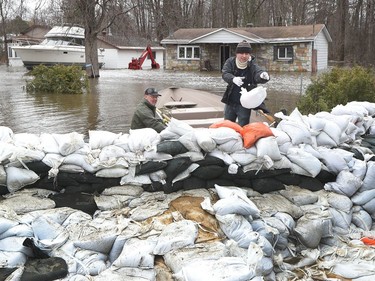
(62,45)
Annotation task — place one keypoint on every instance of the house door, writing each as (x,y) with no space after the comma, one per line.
(224,54)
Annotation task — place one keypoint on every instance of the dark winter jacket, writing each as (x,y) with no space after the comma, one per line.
(145,117)
(252,78)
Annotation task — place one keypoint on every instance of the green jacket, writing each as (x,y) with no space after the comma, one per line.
(145,117)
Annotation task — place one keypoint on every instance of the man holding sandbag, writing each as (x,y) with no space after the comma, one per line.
(239,72)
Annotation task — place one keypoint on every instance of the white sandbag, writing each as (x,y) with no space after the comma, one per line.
(125,273)
(130,179)
(99,241)
(17,178)
(297,131)
(49,143)
(316,124)
(305,160)
(236,227)
(204,139)
(362,197)
(359,168)
(346,183)
(123,142)
(6,134)
(87,162)
(232,145)
(340,219)
(6,224)
(280,136)
(143,139)
(20,156)
(323,139)
(299,196)
(112,172)
(23,230)
(48,234)
(27,140)
(136,253)
(236,193)
(53,160)
(179,127)
(349,109)
(354,269)
(362,219)
(176,259)
(10,259)
(253,98)
(268,146)
(189,141)
(69,143)
(147,210)
(333,131)
(370,207)
(222,269)
(242,157)
(70,168)
(15,244)
(369,179)
(222,155)
(339,201)
(152,154)
(369,106)
(309,231)
(235,205)
(100,139)
(336,160)
(24,203)
(223,134)
(176,235)
(111,152)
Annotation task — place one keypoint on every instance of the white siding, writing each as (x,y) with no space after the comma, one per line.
(321,45)
(120,58)
(221,36)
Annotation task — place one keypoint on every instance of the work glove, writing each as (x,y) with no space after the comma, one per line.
(264,75)
(238,81)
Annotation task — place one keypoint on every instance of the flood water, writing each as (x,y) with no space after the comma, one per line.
(113,97)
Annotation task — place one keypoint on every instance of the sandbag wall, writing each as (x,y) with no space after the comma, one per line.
(300,151)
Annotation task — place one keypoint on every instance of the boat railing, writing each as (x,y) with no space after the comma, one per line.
(26,41)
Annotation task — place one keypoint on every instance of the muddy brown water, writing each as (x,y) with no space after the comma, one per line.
(113,97)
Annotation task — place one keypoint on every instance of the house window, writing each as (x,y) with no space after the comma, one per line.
(285,52)
(188,52)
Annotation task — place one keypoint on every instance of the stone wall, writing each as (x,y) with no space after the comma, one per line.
(264,57)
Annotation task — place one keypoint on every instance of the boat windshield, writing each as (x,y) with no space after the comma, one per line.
(64,41)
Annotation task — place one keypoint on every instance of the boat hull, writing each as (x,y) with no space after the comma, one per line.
(34,55)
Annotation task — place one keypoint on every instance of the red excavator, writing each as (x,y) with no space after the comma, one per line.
(136,63)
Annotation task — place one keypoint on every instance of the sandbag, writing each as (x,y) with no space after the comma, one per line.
(253,98)
(228,124)
(254,131)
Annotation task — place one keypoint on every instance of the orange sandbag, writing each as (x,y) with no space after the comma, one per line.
(368,241)
(228,124)
(253,132)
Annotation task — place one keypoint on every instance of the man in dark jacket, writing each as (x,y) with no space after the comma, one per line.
(241,71)
(145,115)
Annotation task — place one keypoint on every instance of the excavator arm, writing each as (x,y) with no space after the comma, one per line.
(137,63)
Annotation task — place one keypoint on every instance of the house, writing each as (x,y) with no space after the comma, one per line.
(302,48)
(118,52)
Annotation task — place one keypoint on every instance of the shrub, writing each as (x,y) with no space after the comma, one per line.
(57,79)
(339,86)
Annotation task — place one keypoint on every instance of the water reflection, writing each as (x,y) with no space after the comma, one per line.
(112,98)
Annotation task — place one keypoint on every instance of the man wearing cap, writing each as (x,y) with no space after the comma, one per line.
(241,71)
(145,113)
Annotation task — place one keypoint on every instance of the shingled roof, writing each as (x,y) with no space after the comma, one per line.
(257,34)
